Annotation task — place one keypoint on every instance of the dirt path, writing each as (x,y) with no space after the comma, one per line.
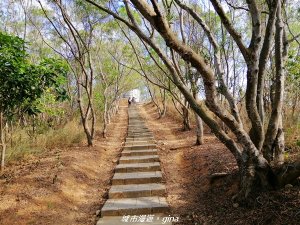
(62,186)
(192,196)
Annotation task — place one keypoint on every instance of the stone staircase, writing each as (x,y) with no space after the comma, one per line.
(137,189)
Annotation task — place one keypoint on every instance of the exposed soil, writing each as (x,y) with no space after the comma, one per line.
(195,198)
(62,186)
(67,186)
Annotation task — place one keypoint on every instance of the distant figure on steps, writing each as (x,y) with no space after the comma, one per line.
(133,100)
(129,101)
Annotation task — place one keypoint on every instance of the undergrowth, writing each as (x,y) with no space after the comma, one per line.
(292,140)
(24,144)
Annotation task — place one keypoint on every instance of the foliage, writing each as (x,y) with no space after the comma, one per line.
(23,83)
(293,71)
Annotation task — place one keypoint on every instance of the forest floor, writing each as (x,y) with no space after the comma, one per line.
(68,186)
(195,198)
(62,186)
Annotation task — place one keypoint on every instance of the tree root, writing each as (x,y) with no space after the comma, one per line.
(288,173)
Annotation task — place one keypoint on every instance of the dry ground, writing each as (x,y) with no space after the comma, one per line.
(67,186)
(192,196)
(62,186)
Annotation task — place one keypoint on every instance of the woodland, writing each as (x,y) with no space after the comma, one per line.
(226,68)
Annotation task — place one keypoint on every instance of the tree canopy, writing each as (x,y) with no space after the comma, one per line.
(22,83)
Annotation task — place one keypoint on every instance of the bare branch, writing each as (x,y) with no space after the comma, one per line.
(217,59)
(229,27)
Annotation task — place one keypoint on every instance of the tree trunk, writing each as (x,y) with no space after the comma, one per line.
(108,117)
(199,130)
(105,116)
(3,143)
(274,140)
(162,112)
(294,107)
(255,173)
(279,144)
(84,115)
(186,118)
(88,134)
(198,120)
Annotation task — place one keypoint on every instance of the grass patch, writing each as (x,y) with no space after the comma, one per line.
(22,145)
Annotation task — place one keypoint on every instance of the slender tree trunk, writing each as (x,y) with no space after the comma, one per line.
(186,118)
(274,140)
(84,115)
(33,129)
(87,132)
(105,116)
(164,106)
(198,120)
(108,116)
(11,133)
(80,50)
(199,129)
(155,103)
(279,144)
(3,143)
(294,107)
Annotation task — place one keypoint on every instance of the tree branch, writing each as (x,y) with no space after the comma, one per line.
(229,27)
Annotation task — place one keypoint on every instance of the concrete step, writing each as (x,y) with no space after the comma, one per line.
(137,178)
(138,130)
(135,206)
(140,139)
(140,127)
(139,152)
(138,159)
(154,219)
(132,142)
(136,123)
(137,190)
(139,147)
(137,127)
(140,134)
(134,130)
(137,167)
